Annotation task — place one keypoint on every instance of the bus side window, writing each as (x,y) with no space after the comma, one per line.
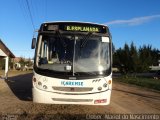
(43,61)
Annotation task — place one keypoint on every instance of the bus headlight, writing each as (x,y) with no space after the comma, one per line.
(39,83)
(99,88)
(44,86)
(105,85)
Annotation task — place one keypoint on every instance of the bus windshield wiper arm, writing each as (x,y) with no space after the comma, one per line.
(85,39)
(60,37)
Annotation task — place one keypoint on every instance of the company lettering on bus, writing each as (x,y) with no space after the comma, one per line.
(71,83)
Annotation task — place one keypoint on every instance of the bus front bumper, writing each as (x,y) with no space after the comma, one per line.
(102,98)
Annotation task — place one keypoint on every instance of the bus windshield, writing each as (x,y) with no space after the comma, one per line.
(75,54)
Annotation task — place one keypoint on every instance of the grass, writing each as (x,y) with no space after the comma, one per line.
(140,81)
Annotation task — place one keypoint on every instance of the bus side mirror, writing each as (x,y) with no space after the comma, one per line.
(33,43)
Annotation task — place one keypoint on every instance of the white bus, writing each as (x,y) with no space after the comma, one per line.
(73,64)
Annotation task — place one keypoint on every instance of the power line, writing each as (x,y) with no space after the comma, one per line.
(29,10)
(45,10)
(23,10)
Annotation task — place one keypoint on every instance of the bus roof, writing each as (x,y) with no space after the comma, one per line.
(74,22)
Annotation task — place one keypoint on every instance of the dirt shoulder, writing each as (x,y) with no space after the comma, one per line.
(16,98)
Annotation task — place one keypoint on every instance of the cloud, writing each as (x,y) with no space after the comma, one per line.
(134,21)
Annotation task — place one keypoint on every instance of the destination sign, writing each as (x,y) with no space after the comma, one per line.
(82,28)
(75,27)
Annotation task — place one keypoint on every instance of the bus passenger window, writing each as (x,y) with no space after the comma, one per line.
(43,61)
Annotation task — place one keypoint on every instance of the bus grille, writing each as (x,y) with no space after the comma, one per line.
(73,89)
(72,100)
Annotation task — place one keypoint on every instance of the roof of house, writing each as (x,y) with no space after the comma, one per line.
(4,51)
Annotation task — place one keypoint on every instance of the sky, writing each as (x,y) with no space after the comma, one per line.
(128,20)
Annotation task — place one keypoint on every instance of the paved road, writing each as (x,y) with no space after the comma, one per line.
(16,98)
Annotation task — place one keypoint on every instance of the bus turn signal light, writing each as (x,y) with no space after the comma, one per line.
(34,80)
(109,82)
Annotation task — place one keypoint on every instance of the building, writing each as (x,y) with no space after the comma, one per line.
(5,53)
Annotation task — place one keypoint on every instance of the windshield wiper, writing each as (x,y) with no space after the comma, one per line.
(60,37)
(85,39)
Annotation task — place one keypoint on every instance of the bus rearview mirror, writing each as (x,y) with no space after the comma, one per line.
(33,43)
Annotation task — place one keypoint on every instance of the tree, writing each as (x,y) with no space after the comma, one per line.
(155,56)
(134,61)
(28,62)
(121,59)
(116,59)
(129,59)
(22,62)
(145,58)
(113,48)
